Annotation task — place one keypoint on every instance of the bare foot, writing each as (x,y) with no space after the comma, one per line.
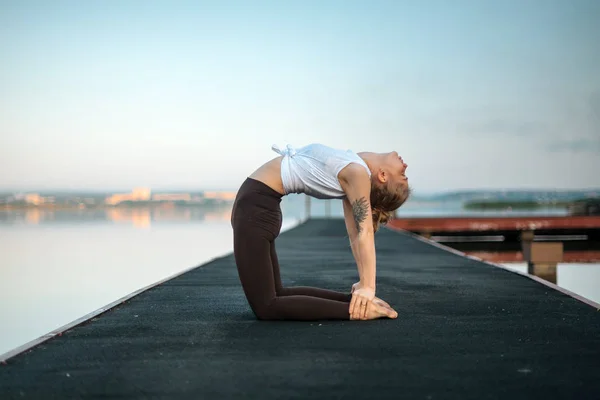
(382,302)
(376,310)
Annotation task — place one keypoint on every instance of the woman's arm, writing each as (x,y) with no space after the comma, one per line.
(352,233)
(357,185)
(357,210)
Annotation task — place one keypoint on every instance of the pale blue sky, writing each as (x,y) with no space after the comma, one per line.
(173,94)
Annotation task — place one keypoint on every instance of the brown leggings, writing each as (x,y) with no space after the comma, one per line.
(256,221)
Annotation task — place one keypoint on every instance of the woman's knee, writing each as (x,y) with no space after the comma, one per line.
(265,311)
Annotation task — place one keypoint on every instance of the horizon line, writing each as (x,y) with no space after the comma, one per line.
(441,191)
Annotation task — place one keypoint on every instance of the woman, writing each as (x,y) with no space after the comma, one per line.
(371,186)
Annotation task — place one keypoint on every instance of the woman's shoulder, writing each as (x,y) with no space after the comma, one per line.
(353,172)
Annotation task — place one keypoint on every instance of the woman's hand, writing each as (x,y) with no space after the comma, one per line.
(361,298)
(375,299)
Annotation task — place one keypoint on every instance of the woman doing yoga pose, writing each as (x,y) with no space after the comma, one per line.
(370,185)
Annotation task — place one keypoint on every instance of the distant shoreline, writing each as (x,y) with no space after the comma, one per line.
(100,207)
(514,205)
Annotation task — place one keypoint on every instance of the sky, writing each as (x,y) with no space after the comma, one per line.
(101,95)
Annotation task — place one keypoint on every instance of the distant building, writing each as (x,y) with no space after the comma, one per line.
(226,196)
(34,198)
(172,197)
(138,194)
(585,207)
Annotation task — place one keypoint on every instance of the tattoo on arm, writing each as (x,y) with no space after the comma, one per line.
(359,210)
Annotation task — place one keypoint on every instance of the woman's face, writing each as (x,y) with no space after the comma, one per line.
(396,169)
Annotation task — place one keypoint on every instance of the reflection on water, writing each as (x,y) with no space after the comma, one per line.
(145,217)
(293,206)
(140,217)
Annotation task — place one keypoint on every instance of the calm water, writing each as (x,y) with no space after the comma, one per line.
(583,279)
(57,267)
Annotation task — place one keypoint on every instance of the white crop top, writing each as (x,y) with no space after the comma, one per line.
(314,169)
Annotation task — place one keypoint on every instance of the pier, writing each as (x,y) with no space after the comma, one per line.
(540,241)
(466,329)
